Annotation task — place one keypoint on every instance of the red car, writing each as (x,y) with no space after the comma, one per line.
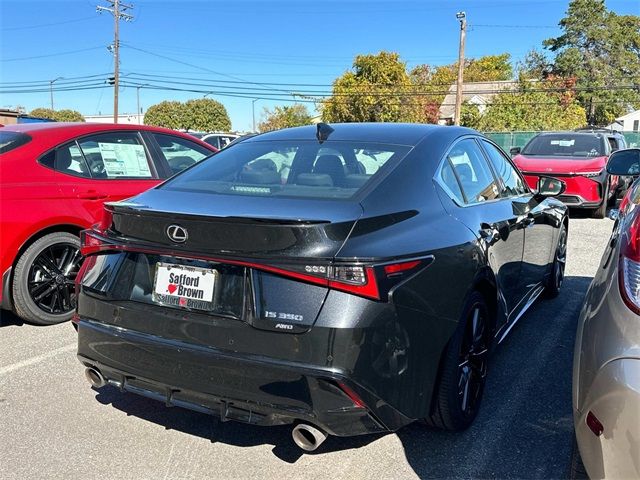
(54,179)
(577,158)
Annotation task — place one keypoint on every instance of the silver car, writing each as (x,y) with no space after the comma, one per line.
(606,365)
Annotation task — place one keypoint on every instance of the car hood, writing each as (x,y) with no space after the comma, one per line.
(559,165)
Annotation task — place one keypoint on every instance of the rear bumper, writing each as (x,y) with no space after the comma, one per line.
(254,390)
(614,398)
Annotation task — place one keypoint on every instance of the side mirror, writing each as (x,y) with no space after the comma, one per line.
(624,162)
(550,187)
(514,151)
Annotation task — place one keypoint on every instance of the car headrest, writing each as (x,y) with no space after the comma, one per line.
(63,159)
(260,177)
(315,179)
(464,172)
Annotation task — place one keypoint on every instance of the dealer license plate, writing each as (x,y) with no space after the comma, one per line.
(183,286)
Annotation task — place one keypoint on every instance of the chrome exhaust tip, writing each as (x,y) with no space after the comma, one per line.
(95,377)
(308,437)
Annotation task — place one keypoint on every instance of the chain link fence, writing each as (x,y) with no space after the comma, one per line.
(519,139)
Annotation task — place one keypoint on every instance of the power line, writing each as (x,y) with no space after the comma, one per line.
(42,25)
(69,52)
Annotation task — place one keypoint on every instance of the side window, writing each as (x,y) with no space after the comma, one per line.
(473,172)
(449,179)
(613,143)
(116,155)
(513,183)
(69,160)
(180,153)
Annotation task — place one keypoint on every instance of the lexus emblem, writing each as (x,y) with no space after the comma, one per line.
(177,234)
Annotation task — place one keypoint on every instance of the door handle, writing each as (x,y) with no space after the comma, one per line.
(91,195)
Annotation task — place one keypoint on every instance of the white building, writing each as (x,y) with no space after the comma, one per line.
(627,123)
(126,118)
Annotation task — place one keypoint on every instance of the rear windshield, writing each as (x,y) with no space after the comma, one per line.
(301,169)
(10,140)
(565,145)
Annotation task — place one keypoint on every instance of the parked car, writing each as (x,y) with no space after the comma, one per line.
(341,302)
(55,178)
(606,364)
(579,159)
(219,140)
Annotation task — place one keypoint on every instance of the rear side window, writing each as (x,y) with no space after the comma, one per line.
(513,183)
(69,160)
(179,152)
(301,169)
(473,173)
(10,140)
(115,155)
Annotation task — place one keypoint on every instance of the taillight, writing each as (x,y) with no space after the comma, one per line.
(106,220)
(629,268)
(91,242)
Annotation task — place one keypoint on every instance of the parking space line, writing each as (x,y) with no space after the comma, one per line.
(37,359)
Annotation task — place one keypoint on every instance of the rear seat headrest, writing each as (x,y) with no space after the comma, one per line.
(315,179)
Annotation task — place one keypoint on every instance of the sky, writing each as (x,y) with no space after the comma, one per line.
(248,54)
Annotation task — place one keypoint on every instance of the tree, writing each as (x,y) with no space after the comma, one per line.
(168,114)
(57,115)
(203,114)
(69,116)
(376,89)
(434,83)
(206,115)
(548,105)
(284,117)
(602,51)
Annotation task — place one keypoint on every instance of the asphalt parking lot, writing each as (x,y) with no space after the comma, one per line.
(53,425)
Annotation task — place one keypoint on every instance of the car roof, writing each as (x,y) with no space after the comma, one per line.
(80,127)
(391,133)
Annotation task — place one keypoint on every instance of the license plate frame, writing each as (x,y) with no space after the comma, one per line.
(188,300)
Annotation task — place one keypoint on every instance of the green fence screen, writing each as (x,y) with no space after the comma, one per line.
(519,139)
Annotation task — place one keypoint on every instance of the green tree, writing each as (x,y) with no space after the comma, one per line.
(602,51)
(57,115)
(168,114)
(69,116)
(470,115)
(433,84)
(534,106)
(284,117)
(377,89)
(206,115)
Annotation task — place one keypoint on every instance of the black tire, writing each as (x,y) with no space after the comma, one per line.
(576,467)
(601,211)
(43,280)
(554,282)
(463,369)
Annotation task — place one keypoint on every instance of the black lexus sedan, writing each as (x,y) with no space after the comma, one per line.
(345,279)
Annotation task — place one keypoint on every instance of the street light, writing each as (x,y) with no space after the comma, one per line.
(253,112)
(51,88)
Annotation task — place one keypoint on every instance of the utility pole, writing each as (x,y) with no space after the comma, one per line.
(462,17)
(117,9)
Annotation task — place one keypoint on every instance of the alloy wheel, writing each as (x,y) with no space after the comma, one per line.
(472,369)
(51,278)
(561,258)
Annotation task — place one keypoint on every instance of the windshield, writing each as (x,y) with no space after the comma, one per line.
(10,140)
(302,169)
(565,145)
